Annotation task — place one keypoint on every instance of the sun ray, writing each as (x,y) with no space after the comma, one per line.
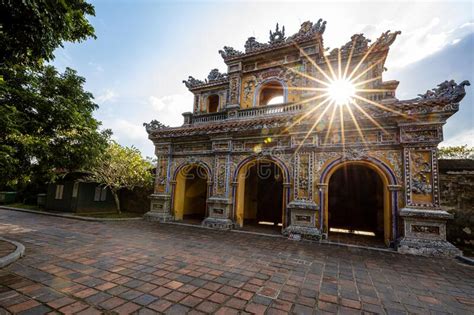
(339,70)
(372,90)
(367,53)
(367,81)
(382,106)
(368,69)
(331,69)
(349,60)
(313,63)
(309,112)
(356,123)
(375,122)
(308,76)
(343,138)
(296,88)
(330,123)
(313,126)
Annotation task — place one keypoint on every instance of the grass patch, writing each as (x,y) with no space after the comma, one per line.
(123,215)
(467,250)
(23,206)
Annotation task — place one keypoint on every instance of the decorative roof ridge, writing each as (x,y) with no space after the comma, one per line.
(277,39)
(359,44)
(251,120)
(447,92)
(213,78)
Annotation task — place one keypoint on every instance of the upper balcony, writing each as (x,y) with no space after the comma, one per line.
(247,113)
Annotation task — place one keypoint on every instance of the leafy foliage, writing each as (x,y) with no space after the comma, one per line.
(121,167)
(47,126)
(456,152)
(30,30)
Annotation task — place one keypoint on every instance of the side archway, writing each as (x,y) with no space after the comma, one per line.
(191,191)
(268,172)
(381,173)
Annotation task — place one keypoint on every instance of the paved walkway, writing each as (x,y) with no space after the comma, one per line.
(124,267)
(6,248)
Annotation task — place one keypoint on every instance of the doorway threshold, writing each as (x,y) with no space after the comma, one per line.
(380,249)
(258,233)
(356,240)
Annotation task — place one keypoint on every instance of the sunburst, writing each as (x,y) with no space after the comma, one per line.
(342,90)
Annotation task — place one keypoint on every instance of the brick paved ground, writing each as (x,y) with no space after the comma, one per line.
(6,248)
(124,267)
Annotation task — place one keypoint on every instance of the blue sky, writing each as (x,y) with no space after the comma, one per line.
(144,49)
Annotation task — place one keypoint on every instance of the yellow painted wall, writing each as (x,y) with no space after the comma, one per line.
(188,195)
(194,196)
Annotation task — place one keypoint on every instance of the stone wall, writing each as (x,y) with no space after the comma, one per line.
(456,183)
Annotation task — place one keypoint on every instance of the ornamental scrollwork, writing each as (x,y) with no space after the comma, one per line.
(309,29)
(215,75)
(420,178)
(192,82)
(228,52)
(277,36)
(447,90)
(154,125)
(251,45)
(357,45)
(248,89)
(385,40)
(354,154)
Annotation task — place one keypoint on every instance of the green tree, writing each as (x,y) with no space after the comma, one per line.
(456,152)
(47,126)
(121,167)
(30,30)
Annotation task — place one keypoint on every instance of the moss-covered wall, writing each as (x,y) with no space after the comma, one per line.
(456,181)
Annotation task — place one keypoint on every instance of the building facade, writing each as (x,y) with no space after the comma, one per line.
(309,140)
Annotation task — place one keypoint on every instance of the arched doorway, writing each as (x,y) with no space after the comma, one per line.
(260,200)
(213,103)
(190,197)
(356,201)
(271,93)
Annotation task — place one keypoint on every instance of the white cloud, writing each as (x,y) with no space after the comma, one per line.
(97,67)
(417,43)
(128,128)
(125,130)
(108,95)
(463,138)
(168,109)
(130,133)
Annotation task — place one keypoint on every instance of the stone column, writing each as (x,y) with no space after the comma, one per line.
(218,203)
(322,187)
(424,221)
(303,211)
(395,191)
(160,200)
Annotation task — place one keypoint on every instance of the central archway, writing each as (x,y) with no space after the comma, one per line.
(376,172)
(355,202)
(260,195)
(190,196)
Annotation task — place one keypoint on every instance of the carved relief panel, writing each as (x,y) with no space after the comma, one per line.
(234,89)
(421,177)
(303,176)
(162,152)
(221,166)
(161,178)
(421,134)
